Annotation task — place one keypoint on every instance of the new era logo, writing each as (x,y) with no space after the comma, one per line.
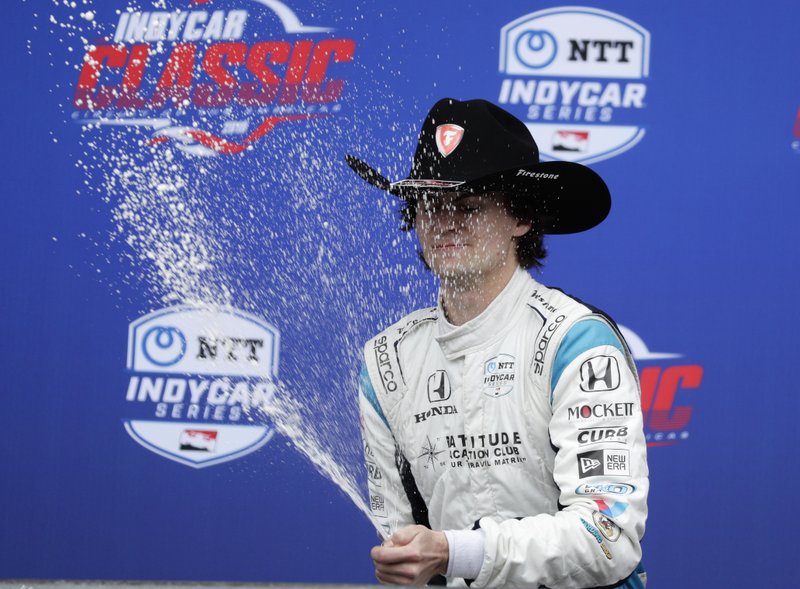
(604,462)
(600,373)
(588,464)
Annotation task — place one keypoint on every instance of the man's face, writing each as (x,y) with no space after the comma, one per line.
(467,236)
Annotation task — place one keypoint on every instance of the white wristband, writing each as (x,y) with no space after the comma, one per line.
(466,553)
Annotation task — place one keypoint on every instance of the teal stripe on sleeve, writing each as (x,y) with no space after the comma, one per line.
(369,393)
(584,335)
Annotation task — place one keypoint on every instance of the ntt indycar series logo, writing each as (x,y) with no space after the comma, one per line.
(211,78)
(196,378)
(577,76)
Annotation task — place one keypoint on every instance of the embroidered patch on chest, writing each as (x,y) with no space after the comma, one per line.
(498,375)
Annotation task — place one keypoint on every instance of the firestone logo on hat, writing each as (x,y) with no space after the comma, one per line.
(448,137)
(577,77)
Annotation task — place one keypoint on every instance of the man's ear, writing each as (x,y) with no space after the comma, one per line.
(522,228)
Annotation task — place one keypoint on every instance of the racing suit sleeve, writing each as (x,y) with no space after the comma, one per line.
(388,500)
(600,467)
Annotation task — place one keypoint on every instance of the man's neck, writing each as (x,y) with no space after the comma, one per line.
(463,299)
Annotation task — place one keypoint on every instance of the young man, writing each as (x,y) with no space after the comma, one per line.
(502,428)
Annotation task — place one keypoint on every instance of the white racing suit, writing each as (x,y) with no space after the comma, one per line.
(524,422)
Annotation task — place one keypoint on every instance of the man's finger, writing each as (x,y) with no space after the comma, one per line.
(394,554)
(406,535)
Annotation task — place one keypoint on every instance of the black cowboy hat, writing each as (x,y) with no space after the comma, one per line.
(475,146)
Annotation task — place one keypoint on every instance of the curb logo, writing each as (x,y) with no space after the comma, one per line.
(577,75)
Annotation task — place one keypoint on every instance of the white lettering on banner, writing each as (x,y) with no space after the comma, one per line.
(198,374)
(195,25)
(573,69)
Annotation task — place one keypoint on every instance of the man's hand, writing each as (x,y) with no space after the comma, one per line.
(411,556)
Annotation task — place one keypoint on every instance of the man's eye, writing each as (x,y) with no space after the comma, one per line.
(470,209)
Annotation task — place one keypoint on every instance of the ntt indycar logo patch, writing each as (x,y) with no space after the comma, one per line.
(196,377)
(577,76)
(211,78)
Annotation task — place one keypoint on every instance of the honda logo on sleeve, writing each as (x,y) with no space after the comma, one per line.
(600,373)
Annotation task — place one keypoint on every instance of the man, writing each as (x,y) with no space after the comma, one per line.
(502,428)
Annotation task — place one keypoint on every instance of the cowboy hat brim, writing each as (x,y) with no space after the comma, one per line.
(565,197)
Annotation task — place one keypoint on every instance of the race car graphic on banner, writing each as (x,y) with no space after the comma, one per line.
(577,76)
(199,381)
(211,79)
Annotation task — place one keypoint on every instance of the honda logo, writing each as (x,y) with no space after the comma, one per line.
(600,373)
(438,387)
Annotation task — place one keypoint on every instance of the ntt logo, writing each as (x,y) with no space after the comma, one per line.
(577,76)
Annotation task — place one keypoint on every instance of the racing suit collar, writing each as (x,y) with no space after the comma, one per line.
(492,323)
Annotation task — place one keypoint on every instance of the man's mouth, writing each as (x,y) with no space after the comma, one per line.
(449,246)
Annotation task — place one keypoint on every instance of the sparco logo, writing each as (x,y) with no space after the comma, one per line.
(195,374)
(384,361)
(544,341)
(600,411)
(211,82)
(577,74)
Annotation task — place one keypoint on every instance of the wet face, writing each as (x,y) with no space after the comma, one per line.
(467,236)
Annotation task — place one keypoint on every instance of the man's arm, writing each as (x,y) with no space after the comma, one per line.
(600,468)
(388,501)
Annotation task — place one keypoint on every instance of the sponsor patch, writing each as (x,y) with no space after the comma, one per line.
(430,455)
(608,528)
(498,375)
(597,536)
(439,387)
(596,435)
(598,411)
(600,373)
(604,462)
(605,488)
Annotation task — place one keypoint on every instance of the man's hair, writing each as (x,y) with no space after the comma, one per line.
(531,250)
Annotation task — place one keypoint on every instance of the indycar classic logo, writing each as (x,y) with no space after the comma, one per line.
(211,78)
(577,76)
(668,386)
(195,376)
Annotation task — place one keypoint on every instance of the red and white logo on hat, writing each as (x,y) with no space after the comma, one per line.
(448,137)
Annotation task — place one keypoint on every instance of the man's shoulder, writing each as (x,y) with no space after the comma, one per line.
(551,303)
(406,325)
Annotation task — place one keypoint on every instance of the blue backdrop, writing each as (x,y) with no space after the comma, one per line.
(180,165)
